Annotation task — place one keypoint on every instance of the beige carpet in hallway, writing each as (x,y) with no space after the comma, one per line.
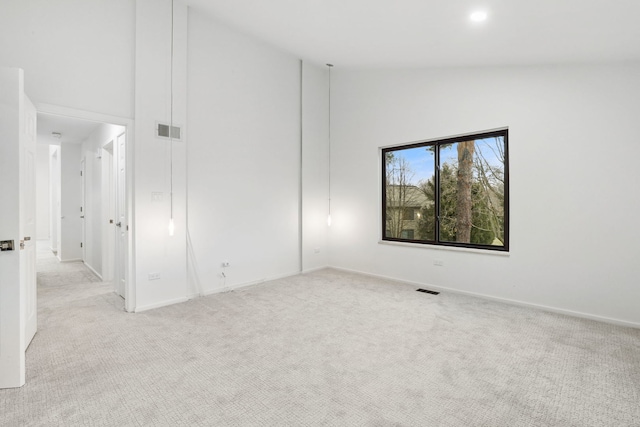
(322,349)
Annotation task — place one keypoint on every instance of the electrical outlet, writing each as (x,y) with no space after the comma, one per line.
(438,262)
(154,276)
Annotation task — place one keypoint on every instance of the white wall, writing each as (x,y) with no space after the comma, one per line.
(70,202)
(243,158)
(43,231)
(156,251)
(55,212)
(315,167)
(74,53)
(573,166)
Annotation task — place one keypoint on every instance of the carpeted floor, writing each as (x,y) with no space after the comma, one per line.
(322,349)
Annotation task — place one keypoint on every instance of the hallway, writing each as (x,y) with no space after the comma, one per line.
(63,283)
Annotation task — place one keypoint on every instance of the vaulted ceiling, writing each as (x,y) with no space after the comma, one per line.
(437,33)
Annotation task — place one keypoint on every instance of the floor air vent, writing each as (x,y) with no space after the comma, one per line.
(427,291)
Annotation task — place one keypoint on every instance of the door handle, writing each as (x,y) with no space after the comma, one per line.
(26,239)
(118,224)
(82,216)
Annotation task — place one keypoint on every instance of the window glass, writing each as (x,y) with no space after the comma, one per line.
(449,192)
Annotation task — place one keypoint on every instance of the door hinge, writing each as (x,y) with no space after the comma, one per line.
(80,244)
(80,173)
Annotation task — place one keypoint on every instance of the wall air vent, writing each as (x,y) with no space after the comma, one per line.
(427,291)
(163,131)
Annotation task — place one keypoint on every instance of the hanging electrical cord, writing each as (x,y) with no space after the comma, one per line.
(171,223)
(329,159)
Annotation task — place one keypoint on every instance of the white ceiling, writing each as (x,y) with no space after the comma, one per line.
(72,130)
(436,33)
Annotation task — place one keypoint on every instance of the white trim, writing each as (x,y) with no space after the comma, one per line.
(401,144)
(311,270)
(445,248)
(59,110)
(71,260)
(93,270)
(161,304)
(248,284)
(215,291)
(541,307)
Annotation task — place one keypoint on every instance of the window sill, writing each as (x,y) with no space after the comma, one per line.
(445,248)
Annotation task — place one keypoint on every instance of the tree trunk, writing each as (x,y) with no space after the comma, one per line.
(465,178)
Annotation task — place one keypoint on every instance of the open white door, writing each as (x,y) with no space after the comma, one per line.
(108,215)
(121,215)
(17,222)
(28,218)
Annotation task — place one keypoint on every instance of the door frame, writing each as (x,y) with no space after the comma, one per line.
(120,214)
(83,202)
(28,217)
(108,212)
(130,287)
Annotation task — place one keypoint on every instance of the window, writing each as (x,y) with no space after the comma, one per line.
(408,214)
(450,192)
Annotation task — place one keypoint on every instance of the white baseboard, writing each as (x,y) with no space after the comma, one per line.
(311,270)
(160,304)
(551,309)
(93,270)
(213,291)
(247,284)
(70,260)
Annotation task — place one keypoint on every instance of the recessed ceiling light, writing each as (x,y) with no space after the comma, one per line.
(478,16)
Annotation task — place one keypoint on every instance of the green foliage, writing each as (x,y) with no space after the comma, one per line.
(481,231)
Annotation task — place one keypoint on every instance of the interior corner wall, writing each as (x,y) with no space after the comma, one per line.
(573,170)
(77,54)
(43,231)
(315,166)
(159,165)
(243,158)
(55,212)
(93,196)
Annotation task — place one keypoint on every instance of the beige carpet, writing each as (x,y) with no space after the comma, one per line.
(322,349)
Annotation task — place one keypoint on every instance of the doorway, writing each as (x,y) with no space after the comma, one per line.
(88,192)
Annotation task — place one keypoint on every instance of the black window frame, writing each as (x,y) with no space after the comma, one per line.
(436,143)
